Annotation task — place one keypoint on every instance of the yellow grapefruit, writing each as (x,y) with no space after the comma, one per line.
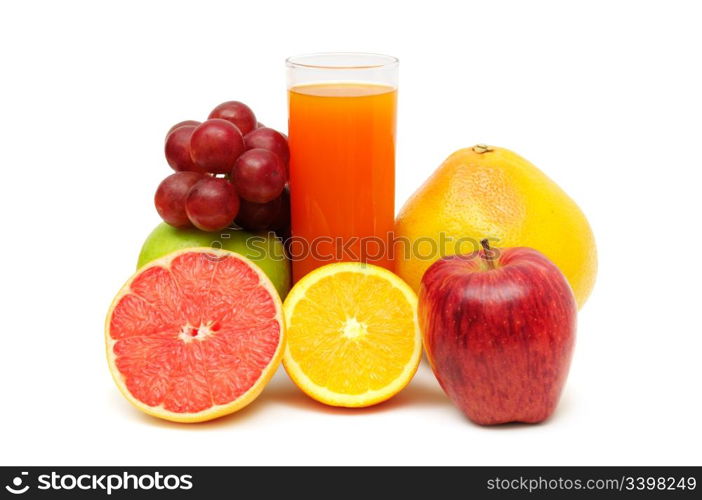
(490,192)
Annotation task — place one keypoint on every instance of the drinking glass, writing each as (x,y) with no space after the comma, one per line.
(342,115)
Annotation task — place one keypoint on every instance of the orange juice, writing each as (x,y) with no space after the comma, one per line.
(342,173)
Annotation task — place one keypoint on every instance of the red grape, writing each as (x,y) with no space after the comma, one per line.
(259,125)
(215,145)
(181,124)
(236,112)
(258,216)
(212,204)
(272,140)
(171,194)
(259,176)
(178,149)
(282,222)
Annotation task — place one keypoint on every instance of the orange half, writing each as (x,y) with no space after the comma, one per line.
(352,334)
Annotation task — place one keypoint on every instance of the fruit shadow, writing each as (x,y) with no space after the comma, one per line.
(421,392)
(564,407)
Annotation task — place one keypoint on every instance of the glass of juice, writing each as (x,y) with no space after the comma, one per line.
(342,113)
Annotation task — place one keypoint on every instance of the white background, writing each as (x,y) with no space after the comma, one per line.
(603,96)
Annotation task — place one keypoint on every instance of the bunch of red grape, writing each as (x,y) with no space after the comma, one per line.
(229,168)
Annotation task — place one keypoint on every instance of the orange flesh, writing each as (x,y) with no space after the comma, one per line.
(195,334)
(342,170)
(348,344)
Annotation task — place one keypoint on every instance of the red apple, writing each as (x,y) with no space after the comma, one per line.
(499,330)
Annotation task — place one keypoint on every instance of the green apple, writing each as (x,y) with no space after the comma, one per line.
(264,249)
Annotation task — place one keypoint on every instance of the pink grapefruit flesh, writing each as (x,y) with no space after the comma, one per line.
(195,335)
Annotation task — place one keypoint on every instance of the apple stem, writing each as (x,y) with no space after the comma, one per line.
(487,253)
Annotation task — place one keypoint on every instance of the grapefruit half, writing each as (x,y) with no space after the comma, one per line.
(195,335)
